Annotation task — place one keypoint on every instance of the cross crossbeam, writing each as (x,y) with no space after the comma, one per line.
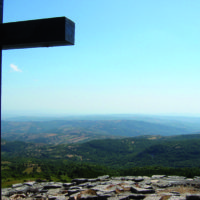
(48,32)
(57,31)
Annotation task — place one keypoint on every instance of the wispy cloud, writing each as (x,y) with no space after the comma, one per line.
(15,68)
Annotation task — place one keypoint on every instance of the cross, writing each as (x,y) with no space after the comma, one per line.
(48,32)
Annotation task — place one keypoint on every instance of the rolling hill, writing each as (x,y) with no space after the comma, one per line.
(73,131)
(173,151)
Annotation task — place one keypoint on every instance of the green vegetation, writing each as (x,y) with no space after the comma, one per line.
(174,151)
(144,155)
(22,170)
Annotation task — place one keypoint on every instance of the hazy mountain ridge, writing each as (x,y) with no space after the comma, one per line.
(72,131)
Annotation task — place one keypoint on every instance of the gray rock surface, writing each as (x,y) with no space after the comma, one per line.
(157,187)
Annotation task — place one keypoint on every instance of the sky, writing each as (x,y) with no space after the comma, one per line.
(129,57)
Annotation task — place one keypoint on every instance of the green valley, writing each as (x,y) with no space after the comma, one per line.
(127,156)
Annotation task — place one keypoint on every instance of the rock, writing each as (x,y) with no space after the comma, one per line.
(101,178)
(31,183)
(52,186)
(53,191)
(68,184)
(22,189)
(75,188)
(119,198)
(147,187)
(122,197)
(176,177)
(142,190)
(43,191)
(56,198)
(138,179)
(148,182)
(60,198)
(177,198)
(39,196)
(155,181)
(100,188)
(17,185)
(73,196)
(88,194)
(70,192)
(193,197)
(158,176)
(103,195)
(5,191)
(153,197)
(34,190)
(163,184)
(175,193)
(135,196)
(90,185)
(129,178)
(4,198)
(80,180)
(158,187)
(52,197)
(114,188)
(93,180)
(18,196)
(10,193)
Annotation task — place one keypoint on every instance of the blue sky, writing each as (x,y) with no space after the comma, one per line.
(139,57)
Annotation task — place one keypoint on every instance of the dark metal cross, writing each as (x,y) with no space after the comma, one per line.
(49,32)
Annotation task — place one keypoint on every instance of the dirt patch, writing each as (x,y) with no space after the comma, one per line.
(181,190)
(70,156)
(51,135)
(165,197)
(5,162)
(152,138)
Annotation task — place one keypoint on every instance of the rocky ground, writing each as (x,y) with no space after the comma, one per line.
(157,187)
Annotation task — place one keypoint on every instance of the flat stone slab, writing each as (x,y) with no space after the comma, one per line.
(31,183)
(17,185)
(68,184)
(52,186)
(157,187)
(79,180)
(142,190)
(152,198)
(158,176)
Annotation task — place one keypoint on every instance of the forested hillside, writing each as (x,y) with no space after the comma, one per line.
(144,155)
(174,151)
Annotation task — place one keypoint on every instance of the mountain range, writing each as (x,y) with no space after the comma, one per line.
(97,127)
(89,146)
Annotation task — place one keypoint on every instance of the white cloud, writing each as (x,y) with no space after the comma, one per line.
(15,68)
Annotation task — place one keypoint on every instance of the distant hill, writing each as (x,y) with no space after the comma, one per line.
(173,151)
(72,131)
(138,117)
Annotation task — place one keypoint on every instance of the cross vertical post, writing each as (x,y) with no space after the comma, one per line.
(1,21)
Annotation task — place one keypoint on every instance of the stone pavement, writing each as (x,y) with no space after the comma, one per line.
(157,187)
